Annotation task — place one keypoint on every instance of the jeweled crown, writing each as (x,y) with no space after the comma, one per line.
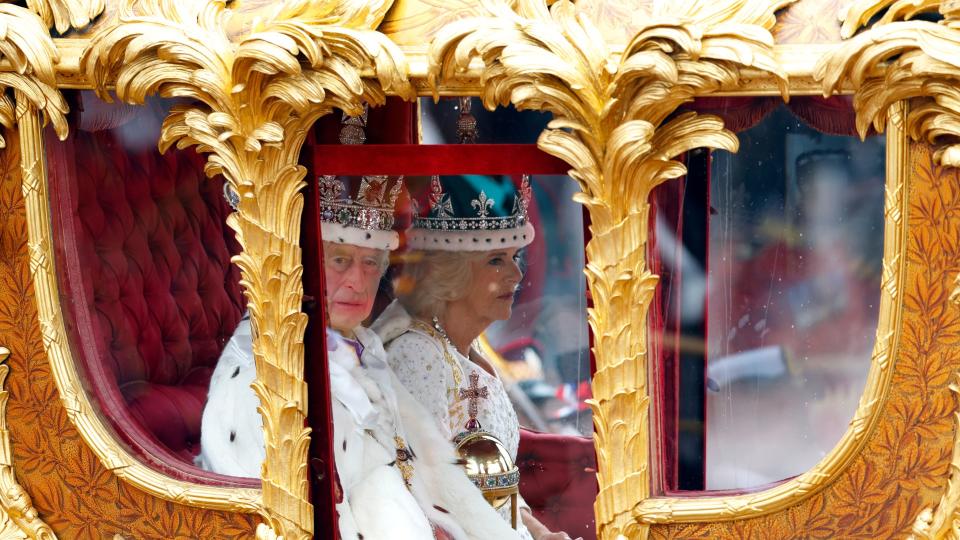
(371,209)
(442,216)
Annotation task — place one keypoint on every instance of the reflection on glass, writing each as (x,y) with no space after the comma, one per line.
(464,318)
(408,381)
(787,254)
(149,293)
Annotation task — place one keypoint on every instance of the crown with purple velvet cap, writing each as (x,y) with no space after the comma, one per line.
(358,211)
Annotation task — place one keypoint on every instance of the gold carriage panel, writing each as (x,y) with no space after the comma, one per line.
(255,77)
(66,483)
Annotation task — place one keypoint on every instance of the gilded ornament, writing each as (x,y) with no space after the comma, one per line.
(955,295)
(898,59)
(26,46)
(942,522)
(255,93)
(259,77)
(81,411)
(66,14)
(612,123)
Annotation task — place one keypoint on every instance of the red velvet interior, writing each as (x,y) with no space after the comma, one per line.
(149,294)
(558,479)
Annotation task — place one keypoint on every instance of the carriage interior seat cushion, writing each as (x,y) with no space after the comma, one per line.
(558,480)
(155,252)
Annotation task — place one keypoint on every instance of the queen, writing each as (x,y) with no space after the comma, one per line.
(461,275)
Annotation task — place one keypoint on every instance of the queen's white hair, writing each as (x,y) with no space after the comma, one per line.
(432,278)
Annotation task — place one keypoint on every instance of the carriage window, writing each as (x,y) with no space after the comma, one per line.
(480,309)
(149,294)
(766,314)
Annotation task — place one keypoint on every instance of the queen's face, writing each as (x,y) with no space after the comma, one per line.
(352,276)
(496,275)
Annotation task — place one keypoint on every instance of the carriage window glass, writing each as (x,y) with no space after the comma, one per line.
(765,317)
(481,306)
(150,297)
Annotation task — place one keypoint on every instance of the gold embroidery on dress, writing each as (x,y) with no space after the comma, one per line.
(454,365)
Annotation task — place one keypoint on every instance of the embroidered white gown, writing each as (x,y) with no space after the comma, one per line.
(416,355)
(370,407)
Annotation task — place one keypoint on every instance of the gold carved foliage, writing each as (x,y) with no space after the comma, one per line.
(80,481)
(898,59)
(26,45)
(955,296)
(942,521)
(252,84)
(66,14)
(18,518)
(614,123)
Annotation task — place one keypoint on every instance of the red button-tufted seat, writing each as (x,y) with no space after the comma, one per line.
(144,263)
(558,479)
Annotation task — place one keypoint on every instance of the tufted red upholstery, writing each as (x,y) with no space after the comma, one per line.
(558,479)
(144,258)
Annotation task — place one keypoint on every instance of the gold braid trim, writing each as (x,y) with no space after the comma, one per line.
(455,366)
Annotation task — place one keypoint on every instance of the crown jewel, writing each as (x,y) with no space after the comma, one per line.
(372,209)
(440,215)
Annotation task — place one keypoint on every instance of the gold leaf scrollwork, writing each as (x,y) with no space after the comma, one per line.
(66,14)
(18,517)
(255,92)
(922,67)
(614,123)
(26,45)
(81,411)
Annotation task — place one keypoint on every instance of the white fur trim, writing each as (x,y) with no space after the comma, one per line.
(439,481)
(338,234)
(392,323)
(231,435)
(476,240)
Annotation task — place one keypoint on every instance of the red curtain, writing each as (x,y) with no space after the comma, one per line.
(834,115)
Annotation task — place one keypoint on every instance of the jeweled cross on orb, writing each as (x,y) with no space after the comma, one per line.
(474,393)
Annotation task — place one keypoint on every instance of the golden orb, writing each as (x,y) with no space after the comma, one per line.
(490,467)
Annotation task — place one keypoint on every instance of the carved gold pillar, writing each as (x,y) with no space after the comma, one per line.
(612,123)
(256,90)
(26,45)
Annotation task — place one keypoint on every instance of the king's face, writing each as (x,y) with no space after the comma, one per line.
(352,277)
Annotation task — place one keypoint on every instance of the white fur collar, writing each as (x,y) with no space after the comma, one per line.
(393,322)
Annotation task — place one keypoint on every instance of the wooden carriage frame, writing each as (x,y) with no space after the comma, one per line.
(261,75)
